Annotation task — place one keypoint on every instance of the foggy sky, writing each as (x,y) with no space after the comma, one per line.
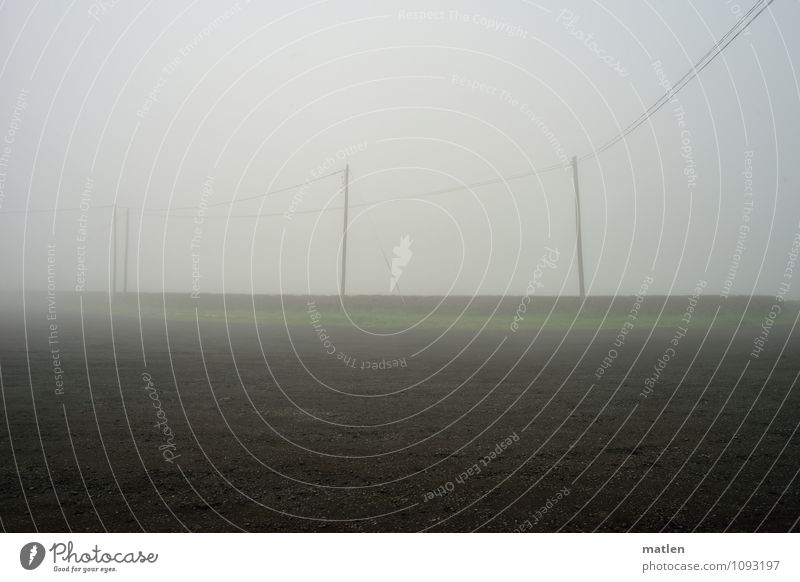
(191,105)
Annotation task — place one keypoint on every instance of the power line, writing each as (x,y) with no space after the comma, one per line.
(257,196)
(430,193)
(53,210)
(717,49)
(168,210)
(704,61)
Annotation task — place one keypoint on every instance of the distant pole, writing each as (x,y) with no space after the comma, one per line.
(114,249)
(125,263)
(343,288)
(579,240)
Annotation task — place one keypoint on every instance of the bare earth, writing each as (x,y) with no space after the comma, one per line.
(271,433)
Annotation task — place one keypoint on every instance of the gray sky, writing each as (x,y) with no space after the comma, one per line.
(181,104)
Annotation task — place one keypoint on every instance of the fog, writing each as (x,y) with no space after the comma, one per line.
(190,125)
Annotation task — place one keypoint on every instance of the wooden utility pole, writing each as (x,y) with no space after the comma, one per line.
(125,262)
(343,284)
(579,240)
(114,249)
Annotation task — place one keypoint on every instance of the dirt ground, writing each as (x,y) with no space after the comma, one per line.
(214,426)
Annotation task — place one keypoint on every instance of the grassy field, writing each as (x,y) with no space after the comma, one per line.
(391,313)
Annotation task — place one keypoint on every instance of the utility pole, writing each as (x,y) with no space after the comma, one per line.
(125,262)
(579,240)
(114,249)
(343,287)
